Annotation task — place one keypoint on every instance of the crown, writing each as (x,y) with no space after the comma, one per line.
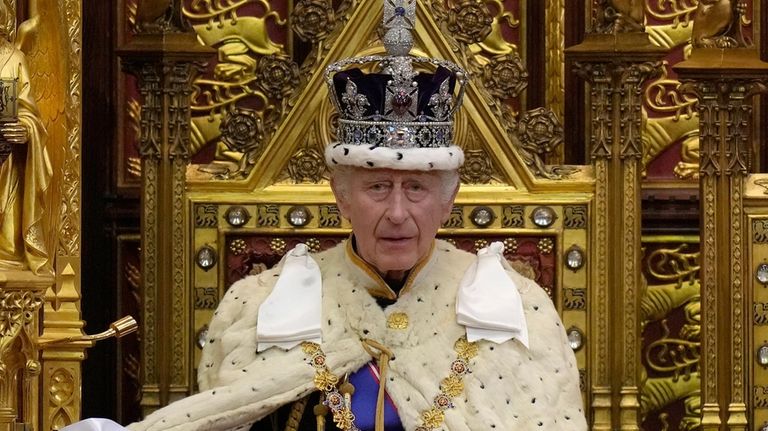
(400,117)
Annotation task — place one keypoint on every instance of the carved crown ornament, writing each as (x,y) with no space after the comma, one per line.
(263,75)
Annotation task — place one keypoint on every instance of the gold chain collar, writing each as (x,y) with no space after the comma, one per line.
(432,418)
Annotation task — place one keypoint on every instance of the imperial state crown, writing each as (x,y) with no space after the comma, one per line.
(400,114)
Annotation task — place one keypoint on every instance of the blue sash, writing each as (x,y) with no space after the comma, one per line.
(366,383)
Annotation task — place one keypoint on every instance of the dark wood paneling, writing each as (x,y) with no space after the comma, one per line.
(106,214)
(575,113)
(536,61)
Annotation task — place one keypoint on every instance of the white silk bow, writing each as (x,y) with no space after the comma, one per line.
(489,303)
(291,313)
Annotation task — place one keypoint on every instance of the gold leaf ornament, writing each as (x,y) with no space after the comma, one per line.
(325,380)
(433,417)
(452,385)
(465,349)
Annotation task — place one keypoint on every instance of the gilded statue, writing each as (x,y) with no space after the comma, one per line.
(620,16)
(160,16)
(26,174)
(717,24)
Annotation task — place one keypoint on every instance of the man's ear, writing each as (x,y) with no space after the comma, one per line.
(341,201)
(449,204)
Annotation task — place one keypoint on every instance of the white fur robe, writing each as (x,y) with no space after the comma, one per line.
(510,387)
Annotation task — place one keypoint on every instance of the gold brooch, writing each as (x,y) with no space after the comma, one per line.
(397,321)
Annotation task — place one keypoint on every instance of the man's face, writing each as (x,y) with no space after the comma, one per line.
(395,215)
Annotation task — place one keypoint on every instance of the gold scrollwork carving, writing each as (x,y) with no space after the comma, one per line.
(253,73)
(680,12)
(663,95)
(206,215)
(762,182)
(218,21)
(661,392)
(575,299)
(477,35)
(677,356)
(674,264)
(455,219)
(672,359)
(329,216)
(760,229)
(268,215)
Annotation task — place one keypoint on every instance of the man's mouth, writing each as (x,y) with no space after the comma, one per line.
(396,239)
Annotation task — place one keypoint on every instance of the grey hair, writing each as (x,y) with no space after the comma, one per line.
(341,176)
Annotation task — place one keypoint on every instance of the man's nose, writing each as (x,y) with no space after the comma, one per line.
(397,212)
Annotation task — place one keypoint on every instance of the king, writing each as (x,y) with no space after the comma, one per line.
(392,329)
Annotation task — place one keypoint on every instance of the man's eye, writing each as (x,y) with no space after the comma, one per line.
(379,187)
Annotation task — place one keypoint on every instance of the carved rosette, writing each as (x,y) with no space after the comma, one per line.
(312,20)
(470,22)
(278,76)
(477,167)
(540,133)
(243,131)
(505,76)
(306,165)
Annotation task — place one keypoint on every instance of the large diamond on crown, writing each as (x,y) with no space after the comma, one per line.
(400,137)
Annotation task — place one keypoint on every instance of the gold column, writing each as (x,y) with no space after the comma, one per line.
(62,375)
(165,57)
(724,80)
(615,66)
